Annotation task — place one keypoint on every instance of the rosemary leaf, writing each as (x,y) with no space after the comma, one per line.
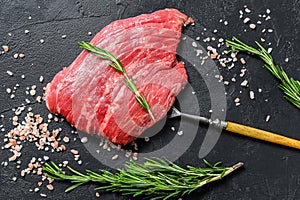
(289,86)
(155,179)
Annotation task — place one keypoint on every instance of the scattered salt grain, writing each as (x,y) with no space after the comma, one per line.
(5,48)
(97,194)
(36,189)
(237,100)
(76,157)
(270,30)
(63,36)
(268,118)
(41,79)
(43,195)
(180,133)
(269,50)
(225,23)
(26,31)
(199,52)
(252,26)
(73,151)
(251,94)
(259,90)
(105,146)
(8,90)
(89,33)
(247,10)
(127,154)
(50,116)
(32,92)
(42,41)
(50,187)
(244,83)
(46,158)
(286,60)
(173,128)
(243,61)
(135,156)
(21,55)
(246,20)
(243,72)
(206,39)
(84,140)
(65,163)
(268,11)
(115,157)
(66,139)
(39,99)
(16,55)
(194,44)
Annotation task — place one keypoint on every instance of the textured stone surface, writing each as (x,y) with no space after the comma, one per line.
(271,171)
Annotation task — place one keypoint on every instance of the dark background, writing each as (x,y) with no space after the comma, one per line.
(270,172)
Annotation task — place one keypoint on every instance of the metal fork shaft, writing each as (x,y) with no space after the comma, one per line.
(195,117)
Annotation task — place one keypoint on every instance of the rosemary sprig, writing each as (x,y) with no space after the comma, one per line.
(155,179)
(289,86)
(116,64)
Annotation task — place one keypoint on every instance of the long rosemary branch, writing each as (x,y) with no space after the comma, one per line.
(155,179)
(289,86)
(116,64)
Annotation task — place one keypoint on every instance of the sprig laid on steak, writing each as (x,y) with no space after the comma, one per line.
(91,95)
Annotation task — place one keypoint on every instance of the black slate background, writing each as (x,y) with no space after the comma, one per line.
(270,172)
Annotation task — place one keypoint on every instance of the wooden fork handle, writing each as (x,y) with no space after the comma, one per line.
(262,135)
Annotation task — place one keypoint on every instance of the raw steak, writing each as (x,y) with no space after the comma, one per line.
(91,95)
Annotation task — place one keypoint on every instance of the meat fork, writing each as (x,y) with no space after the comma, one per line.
(241,129)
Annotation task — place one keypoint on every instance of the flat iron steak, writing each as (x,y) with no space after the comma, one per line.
(92,96)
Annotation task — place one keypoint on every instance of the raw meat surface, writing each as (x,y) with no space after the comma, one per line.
(91,95)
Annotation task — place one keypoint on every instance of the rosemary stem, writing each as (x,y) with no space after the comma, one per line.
(155,179)
(288,85)
(116,64)
(227,172)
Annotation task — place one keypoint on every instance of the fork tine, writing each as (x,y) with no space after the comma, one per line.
(175,113)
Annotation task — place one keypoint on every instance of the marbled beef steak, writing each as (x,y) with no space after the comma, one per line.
(92,96)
